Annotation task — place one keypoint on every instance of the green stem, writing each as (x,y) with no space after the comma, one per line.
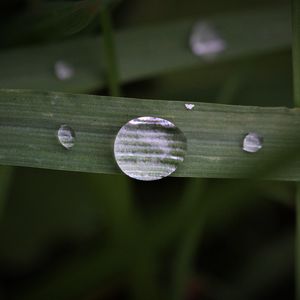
(185,257)
(110,52)
(296,68)
(191,236)
(231,87)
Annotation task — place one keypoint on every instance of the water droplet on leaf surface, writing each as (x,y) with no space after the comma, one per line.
(189,106)
(63,70)
(149,148)
(252,142)
(66,136)
(205,41)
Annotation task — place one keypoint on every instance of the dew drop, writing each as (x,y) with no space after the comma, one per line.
(149,148)
(66,136)
(252,142)
(189,106)
(205,41)
(63,70)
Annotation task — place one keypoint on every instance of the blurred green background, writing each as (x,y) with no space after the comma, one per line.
(67,235)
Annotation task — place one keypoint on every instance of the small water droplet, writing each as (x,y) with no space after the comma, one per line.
(149,148)
(205,41)
(66,136)
(63,70)
(189,106)
(252,142)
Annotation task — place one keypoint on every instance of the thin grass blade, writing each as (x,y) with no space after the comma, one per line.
(33,67)
(215,133)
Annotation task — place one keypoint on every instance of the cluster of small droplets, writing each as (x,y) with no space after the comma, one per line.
(252,142)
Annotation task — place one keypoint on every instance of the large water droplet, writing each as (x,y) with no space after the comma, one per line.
(63,70)
(66,136)
(149,148)
(205,41)
(252,142)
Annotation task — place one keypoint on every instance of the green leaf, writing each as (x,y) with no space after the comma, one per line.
(109,50)
(165,47)
(30,120)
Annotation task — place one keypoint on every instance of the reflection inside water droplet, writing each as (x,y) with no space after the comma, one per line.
(149,148)
(205,41)
(66,136)
(189,106)
(63,70)
(252,142)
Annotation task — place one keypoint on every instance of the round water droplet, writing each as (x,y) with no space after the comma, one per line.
(66,136)
(63,70)
(205,41)
(189,106)
(149,148)
(252,142)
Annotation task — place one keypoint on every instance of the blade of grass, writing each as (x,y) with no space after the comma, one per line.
(110,52)
(231,87)
(32,67)
(30,120)
(296,69)
(189,239)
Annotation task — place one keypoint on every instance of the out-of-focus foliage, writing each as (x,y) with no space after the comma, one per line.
(80,236)
(48,20)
